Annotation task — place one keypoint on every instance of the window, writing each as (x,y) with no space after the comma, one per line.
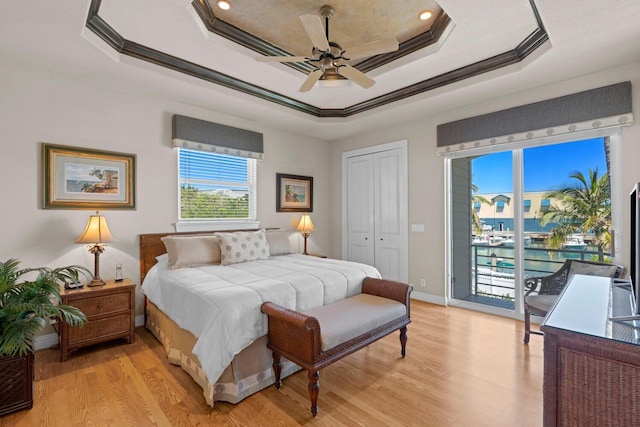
(216,187)
(545,205)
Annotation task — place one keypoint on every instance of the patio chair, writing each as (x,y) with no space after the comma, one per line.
(542,292)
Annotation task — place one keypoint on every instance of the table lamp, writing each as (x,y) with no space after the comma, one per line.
(96,233)
(305,227)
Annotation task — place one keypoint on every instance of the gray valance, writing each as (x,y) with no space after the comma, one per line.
(207,136)
(592,109)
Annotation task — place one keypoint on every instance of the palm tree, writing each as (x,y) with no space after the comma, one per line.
(584,207)
(475,219)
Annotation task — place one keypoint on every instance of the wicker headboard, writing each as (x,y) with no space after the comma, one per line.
(151,246)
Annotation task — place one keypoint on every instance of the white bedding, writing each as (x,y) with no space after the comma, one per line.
(220,305)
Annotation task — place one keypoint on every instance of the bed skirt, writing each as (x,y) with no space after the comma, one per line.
(249,372)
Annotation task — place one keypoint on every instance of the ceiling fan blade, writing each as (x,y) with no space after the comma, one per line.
(355,76)
(282,58)
(313,77)
(372,48)
(313,26)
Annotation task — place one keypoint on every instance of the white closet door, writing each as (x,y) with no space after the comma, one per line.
(387,216)
(360,216)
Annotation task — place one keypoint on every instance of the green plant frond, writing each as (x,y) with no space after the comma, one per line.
(26,305)
(557,236)
(18,337)
(71,315)
(584,207)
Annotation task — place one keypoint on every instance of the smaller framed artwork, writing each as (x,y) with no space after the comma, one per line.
(81,178)
(294,193)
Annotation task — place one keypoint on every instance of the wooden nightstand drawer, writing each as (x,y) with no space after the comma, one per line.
(110,311)
(100,330)
(105,305)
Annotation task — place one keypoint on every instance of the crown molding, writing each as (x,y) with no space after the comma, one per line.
(135,50)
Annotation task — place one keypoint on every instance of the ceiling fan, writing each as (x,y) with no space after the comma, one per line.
(328,56)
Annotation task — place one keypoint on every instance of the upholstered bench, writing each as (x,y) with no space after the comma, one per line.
(323,335)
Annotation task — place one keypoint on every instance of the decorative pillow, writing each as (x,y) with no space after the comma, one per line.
(578,267)
(243,246)
(192,251)
(279,243)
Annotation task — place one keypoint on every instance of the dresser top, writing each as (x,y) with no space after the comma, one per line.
(585,306)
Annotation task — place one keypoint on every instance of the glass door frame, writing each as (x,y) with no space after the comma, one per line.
(618,200)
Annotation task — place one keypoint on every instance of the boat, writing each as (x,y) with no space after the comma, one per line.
(480,240)
(509,242)
(574,242)
(485,240)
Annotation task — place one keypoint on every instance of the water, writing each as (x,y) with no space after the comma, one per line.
(539,260)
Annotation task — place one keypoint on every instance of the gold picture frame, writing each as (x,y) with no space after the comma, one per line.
(82,178)
(294,193)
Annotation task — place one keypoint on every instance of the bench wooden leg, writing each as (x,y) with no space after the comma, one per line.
(277,368)
(314,389)
(403,340)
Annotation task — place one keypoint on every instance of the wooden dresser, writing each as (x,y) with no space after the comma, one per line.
(591,364)
(110,311)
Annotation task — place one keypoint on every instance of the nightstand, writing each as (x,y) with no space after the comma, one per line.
(110,311)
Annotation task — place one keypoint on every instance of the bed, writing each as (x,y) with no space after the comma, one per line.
(204,307)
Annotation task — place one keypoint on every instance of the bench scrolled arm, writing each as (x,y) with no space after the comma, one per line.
(396,291)
(292,331)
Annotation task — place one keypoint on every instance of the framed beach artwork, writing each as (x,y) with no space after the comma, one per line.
(294,193)
(82,178)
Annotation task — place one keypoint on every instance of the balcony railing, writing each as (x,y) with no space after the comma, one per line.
(494,274)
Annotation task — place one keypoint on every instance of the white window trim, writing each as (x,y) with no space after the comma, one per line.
(194,225)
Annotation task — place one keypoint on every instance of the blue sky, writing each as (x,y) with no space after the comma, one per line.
(545,168)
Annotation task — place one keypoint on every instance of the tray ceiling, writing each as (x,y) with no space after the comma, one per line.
(428,57)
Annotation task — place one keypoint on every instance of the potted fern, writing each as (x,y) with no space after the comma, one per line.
(28,299)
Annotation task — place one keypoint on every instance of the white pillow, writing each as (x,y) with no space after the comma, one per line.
(279,243)
(243,246)
(192,251)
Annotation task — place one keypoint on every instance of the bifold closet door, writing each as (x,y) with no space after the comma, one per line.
(373,211)
(387,222)
(360,209)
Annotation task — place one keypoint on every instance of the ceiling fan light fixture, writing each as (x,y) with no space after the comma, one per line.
(331,78)
(223,4)
(425,15)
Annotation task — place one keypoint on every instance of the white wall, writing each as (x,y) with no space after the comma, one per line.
(39,105)
(426,170)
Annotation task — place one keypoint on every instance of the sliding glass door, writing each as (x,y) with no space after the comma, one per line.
(511,218)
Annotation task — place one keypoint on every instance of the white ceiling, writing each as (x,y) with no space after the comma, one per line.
(585,36)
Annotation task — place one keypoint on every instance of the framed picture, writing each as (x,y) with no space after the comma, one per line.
(294,193)
(81,178)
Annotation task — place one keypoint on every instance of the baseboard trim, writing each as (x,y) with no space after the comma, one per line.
(51,340)
(433,299)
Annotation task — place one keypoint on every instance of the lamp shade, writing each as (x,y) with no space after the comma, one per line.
(306,225)
(96,230)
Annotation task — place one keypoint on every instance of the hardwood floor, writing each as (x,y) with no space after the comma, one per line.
(462,369)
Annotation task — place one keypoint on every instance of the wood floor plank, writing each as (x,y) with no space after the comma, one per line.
(462,368)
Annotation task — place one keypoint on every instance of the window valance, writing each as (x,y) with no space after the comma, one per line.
(201,135)
(604,107)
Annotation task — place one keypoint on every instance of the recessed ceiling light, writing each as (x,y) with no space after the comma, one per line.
(424,15)
(224,5)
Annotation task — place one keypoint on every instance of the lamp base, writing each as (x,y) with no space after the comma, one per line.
(96,282)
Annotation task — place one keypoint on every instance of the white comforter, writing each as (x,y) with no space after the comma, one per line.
(220,305)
